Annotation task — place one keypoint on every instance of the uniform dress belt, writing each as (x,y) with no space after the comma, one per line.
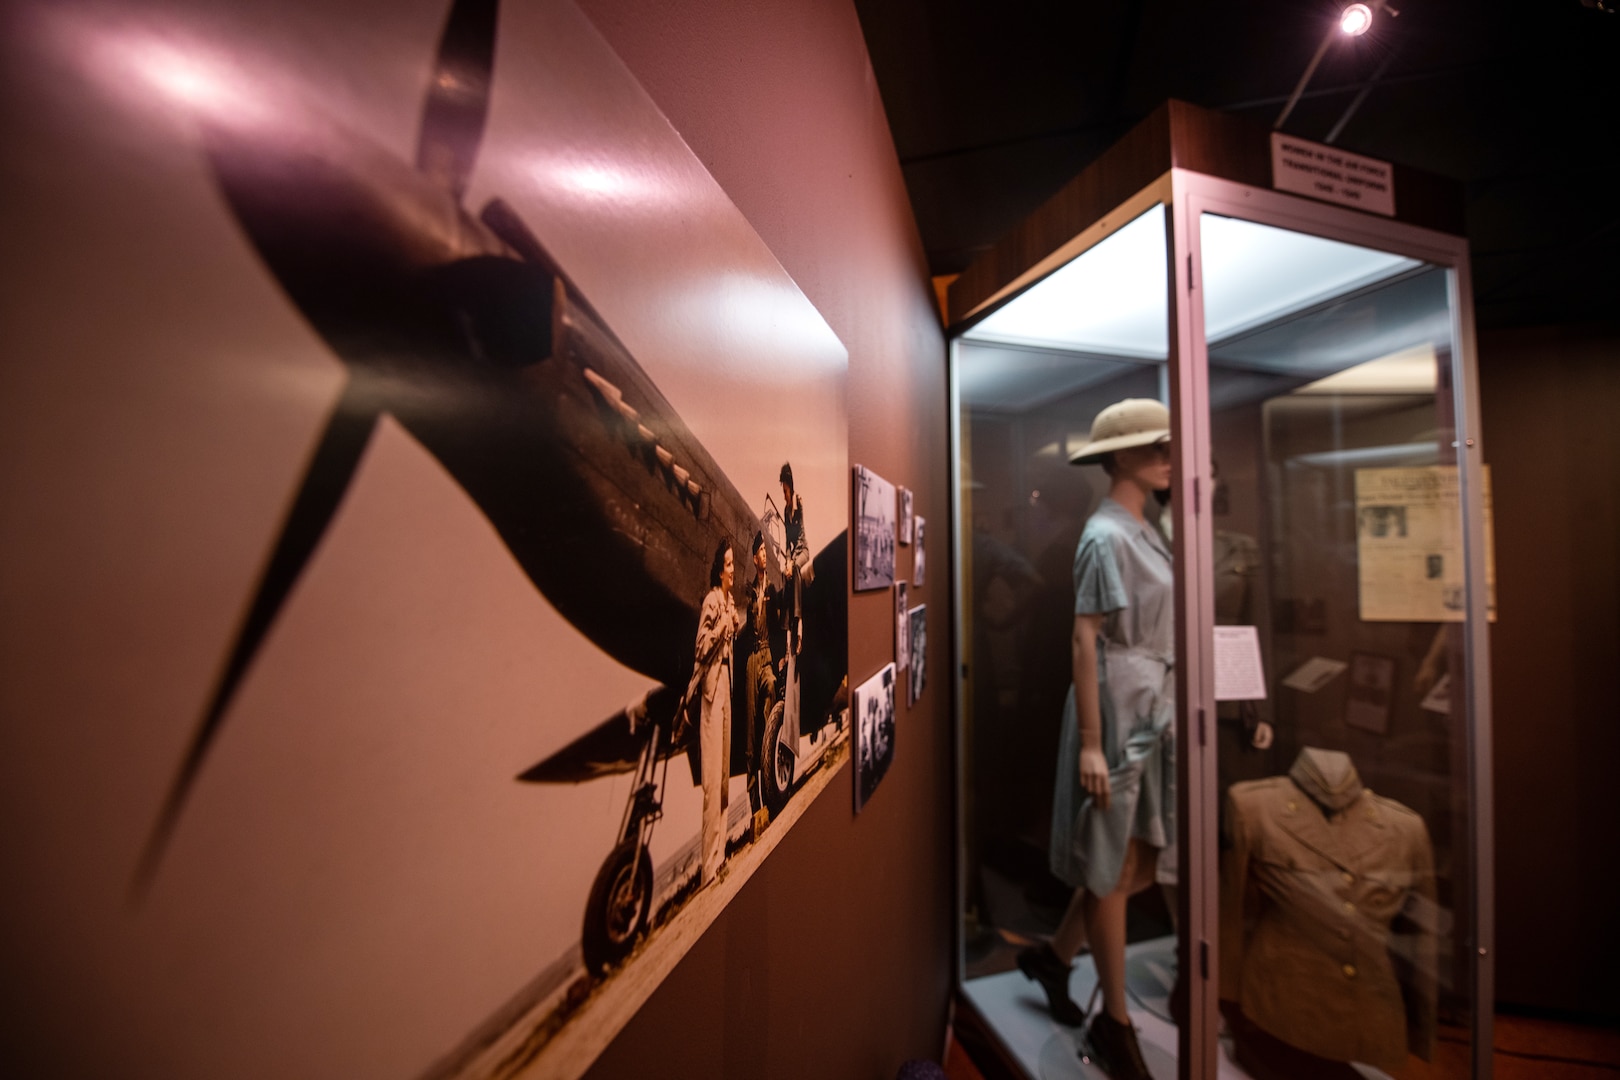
(1169,662)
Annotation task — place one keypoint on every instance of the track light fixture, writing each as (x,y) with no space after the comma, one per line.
(1355,20)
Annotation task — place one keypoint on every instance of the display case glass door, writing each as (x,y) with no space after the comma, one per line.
(1031,380)
(1344,588)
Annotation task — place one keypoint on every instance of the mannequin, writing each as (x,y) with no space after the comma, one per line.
(1319,873)
(1114,801)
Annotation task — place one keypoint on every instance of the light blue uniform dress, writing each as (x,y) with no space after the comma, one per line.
(1122,570)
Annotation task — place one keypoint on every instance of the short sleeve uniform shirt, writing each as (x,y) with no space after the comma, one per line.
(1122,570)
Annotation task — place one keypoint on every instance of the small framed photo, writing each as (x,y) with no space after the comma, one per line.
(874,739)
(902,651)
(1372,692)
(917,638)
(919,552)
(874,530)
(905,515)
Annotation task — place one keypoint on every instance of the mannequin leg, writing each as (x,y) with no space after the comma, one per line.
(1110,1039)
(1070,936)
(1051,964)
(1105,924)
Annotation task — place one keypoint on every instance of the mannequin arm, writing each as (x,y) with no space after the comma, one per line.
(1088,708)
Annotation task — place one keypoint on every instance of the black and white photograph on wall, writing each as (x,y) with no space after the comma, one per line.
(498,600)
(919,554)
(905,515)
(902,651)
(917,644)
(1372,692)
(874,530)
(874,711)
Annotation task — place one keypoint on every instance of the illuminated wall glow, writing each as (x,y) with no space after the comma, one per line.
(143,65)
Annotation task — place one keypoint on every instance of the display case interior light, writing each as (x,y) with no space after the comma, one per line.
(1112,300)
(1258,274)
(1410,371)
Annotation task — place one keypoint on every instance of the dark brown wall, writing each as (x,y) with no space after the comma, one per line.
(834,960)
(1551,402)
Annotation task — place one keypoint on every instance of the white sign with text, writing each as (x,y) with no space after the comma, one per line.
(1239,674)
(1328,173)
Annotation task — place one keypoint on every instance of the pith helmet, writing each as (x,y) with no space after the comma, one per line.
(1124,424)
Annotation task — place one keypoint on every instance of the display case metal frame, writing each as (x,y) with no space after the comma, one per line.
(1213,164)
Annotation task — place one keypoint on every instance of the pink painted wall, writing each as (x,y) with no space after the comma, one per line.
(834,961)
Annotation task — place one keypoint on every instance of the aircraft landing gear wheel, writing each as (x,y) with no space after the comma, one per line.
(620,902)
(778,759)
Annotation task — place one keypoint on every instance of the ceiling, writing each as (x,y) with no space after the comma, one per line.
(993,108)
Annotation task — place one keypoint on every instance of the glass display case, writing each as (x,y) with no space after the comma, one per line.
(1261,610)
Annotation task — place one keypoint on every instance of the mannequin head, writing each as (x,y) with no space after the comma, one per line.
(1146,468)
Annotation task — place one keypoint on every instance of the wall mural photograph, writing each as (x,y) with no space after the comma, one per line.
(505,628)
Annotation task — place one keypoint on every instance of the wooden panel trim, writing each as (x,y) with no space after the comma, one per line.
(1177,135)
(1237,149)
(1135,161)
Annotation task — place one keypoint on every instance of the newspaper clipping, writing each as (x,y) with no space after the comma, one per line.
(1409,544)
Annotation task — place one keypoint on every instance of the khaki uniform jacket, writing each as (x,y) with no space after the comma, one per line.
(1307,904)
(717,625)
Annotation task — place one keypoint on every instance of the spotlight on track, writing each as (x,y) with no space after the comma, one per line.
(1355,20)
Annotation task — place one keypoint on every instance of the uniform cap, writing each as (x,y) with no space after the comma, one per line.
(1124,424)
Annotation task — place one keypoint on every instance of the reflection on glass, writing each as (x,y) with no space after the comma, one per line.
(1337,536)
(1051,915)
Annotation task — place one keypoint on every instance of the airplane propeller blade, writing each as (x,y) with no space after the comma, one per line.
(336,456)
(457,105)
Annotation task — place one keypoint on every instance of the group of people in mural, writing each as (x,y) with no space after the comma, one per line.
(1317,868)
(770,624)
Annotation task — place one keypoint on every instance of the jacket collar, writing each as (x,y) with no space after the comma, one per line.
(1127,520)
(1357,824)
(1328,777)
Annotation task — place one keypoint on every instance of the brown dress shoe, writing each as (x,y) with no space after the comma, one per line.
(1112,1047)
(1040,963)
